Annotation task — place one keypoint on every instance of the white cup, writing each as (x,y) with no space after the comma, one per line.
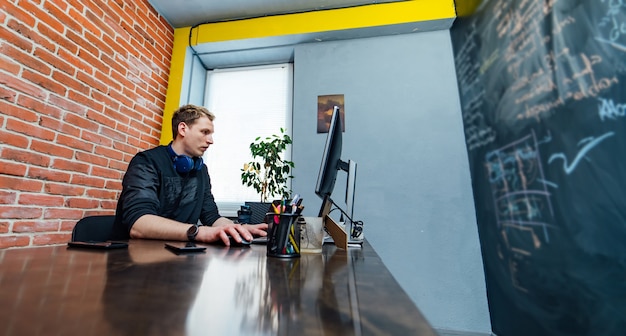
(311,234)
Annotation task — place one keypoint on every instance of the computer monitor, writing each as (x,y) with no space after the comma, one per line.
(331,164)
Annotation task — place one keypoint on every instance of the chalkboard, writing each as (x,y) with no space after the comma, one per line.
(542,86)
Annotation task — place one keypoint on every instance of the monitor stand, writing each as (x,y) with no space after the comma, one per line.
(339,234)
(350,187)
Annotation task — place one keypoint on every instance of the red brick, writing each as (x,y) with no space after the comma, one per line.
(58,63)
(48,174)
(18,13)
(14,241)
(66,130)
(90,181)
(19,212)
(21,86)
(32,35)
(106,44)
(98,26)
(49,148)
(113,185)
(67,225)
(64,189)
(72,166)
(26,157)
(29,129)
(13,139)
(35,226)
(113,134)
(39,106)
(119,165)
(82,203)
(74,142)
(68,105)
(8,197)
(45,82)
(4,227)
(98,193)
(63,214)
(70,82)
(90,158)
(13,168)
(96,138)
(41,199)
(125,148)
(27,60)
(55,15)
(21,184)
(85,23)
(16,39)
(7,94)
(106,172)
(89,80)
(108,204)
(107,152)
(81,122)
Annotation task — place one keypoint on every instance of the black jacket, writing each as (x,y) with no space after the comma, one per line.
(151,185)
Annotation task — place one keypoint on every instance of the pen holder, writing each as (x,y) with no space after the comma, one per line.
(283,235)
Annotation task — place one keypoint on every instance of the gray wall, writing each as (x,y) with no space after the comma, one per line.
(404,129)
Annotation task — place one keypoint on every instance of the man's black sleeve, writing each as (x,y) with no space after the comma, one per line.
(209,213)
(140,191)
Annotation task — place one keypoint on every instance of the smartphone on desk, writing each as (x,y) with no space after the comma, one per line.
(108,245)
(184,247)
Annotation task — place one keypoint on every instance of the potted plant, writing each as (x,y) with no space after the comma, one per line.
(268,172)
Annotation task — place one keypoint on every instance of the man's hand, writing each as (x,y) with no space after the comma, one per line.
(258,230)
(224,227)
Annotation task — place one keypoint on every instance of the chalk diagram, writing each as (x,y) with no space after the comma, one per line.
(522,204)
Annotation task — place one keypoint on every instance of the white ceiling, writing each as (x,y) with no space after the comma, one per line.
(187,13)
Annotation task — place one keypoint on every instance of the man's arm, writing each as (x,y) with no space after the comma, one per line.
(155,227)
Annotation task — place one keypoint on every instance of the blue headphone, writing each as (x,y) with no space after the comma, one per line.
(183,163)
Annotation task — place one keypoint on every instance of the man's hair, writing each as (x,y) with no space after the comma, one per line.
(189,114)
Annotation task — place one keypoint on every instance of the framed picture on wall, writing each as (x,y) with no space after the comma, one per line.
(325,105)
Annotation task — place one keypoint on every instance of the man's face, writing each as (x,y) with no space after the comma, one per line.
(196,137)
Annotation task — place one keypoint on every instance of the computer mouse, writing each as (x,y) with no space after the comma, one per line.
(233,242)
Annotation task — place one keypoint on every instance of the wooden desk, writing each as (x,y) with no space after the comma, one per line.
(147,290)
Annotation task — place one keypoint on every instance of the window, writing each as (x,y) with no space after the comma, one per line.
(247,103)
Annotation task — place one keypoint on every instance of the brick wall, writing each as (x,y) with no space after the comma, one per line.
(82,89)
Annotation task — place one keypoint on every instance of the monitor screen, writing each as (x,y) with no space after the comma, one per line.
(331,164)
(331,158)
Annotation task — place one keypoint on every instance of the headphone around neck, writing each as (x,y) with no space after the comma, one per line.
(183,163)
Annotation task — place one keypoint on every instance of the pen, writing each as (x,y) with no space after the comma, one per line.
(293,241)
(295,200)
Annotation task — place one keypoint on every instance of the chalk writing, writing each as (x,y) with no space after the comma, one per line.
(608,109)
(588,144)
(477,132)
(516,178)
(523,207)
(613,44)
(562,24)
(612,21)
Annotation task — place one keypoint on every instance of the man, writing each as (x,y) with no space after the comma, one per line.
(167,190)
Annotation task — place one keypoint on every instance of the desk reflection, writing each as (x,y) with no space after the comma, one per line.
(148,290)
(227,291)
